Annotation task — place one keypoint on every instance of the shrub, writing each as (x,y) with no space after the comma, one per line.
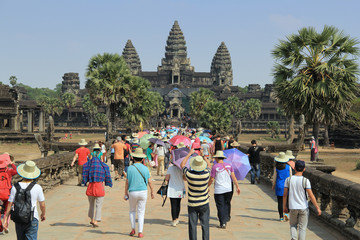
(357,167)
(273,128)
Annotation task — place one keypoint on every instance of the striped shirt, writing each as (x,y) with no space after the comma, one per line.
(198,193)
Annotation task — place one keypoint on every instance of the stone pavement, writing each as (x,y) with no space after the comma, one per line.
(254,216)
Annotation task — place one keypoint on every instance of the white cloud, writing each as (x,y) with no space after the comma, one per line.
(286,22)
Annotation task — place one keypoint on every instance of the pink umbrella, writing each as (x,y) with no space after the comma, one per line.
(180,138)
(141,134)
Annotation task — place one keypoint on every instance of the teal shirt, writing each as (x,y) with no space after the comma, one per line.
(148,153)
(136,181)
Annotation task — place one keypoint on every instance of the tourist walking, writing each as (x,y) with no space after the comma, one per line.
(119,162)
(81,154)
(198,194)
(160,152)
(298,190)
(205,149)
(24,210)
(167,152)
(224,177)
(254,158)
(6,175)
(96,172)
(112,152)
(218,144)
(314,149)
(176,191)
(281,172)
(196,146)
(138,177)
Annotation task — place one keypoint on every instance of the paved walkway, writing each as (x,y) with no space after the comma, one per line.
(254,216)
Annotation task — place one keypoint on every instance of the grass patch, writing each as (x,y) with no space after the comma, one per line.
(280,139)
(357,166)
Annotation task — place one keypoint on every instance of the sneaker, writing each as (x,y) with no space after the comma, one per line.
(286,217)
(173,223)
(177,221)
(140,235)
(223,226)
(281,219)
(132,233)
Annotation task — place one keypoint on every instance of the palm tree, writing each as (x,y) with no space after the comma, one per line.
(315,74)
(69,101)
(89,107)
(253,109)
(105,83)
(198,100)
(237,111)
(216,116)
(13,80)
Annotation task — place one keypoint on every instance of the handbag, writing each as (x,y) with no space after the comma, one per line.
(163,191)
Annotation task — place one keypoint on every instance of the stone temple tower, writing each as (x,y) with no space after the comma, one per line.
(176,66)
(132,58)
(221,69)
(71,83)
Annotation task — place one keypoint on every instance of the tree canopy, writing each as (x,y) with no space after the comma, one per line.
(198,100)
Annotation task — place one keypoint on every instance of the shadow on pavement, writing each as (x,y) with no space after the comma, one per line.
(266,219)
(70,225)
(261,210)
(101,232)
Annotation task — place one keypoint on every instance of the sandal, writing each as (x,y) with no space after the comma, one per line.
(132,233)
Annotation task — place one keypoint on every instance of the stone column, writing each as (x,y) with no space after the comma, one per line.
(30,118)
(41,121)
(179,113)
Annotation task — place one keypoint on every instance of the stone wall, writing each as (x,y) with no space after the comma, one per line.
(338,198)
(55,169)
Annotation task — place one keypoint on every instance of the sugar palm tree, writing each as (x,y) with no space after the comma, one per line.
(69,101)
(198,101)
(253,109)
(315,74)
(237,110)
(216,116)
(105,83)
(89,107)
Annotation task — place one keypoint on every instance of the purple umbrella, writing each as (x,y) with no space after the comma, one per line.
(239,162)
(156,141)
(178,156)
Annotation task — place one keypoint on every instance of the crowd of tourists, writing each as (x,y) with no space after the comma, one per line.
(200,165)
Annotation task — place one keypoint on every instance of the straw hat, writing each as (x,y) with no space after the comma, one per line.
(198,164)
(118,138)
(4,160)
(181,145)
(28,170)
(135,135)
(96,146)
(193,137)
(127,138)
(289,154)
(83,142)
(235,144)
(204,141)
(135,140)
(138,153)
(282,158)
(219,154)
(165,139)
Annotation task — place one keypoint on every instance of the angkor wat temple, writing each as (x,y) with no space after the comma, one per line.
(175,79)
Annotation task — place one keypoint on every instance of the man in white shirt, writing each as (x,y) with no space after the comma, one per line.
(299,189)
(29,172)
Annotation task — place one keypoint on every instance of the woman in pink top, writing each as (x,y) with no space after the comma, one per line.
(196,146)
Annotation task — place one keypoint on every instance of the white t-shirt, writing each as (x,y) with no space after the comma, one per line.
(176,186)
(160,151)
(222,174)
(297,197)
(36,192)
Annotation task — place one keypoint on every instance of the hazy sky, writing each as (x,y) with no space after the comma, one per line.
(42,40)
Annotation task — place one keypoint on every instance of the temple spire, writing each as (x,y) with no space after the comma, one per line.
(221,68)
(132,58)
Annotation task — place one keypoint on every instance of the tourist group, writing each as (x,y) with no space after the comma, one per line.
(195,156)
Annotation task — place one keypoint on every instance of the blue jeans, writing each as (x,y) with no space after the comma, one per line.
(202,213)
(27,231)
(255,169)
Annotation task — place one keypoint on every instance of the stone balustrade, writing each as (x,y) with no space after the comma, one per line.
(55,169)
(338,198)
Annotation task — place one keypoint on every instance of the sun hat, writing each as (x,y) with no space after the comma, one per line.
(165,139)
(134,135)
(289,154)
(118,138)
(96,146)
(235,144)
(28,170)
(312,137)
(83,142)
(204,141)
(219,154)
(197,164)
(193,137)
(138,153)
(127,138)
(135,140)
(181,145)
(282,158)
(4,160)
(299,165)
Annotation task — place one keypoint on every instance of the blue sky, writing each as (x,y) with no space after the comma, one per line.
(42,40)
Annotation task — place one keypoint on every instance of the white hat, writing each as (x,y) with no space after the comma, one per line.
(219,154)
(28,170)
(83,142)
(138,153)
(235,144)
(181,145)
(289,154)
(96,146)
(282,158)
(198,163)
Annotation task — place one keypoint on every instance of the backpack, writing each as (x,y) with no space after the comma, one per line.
(303,185)
(5,185)
(23,211)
